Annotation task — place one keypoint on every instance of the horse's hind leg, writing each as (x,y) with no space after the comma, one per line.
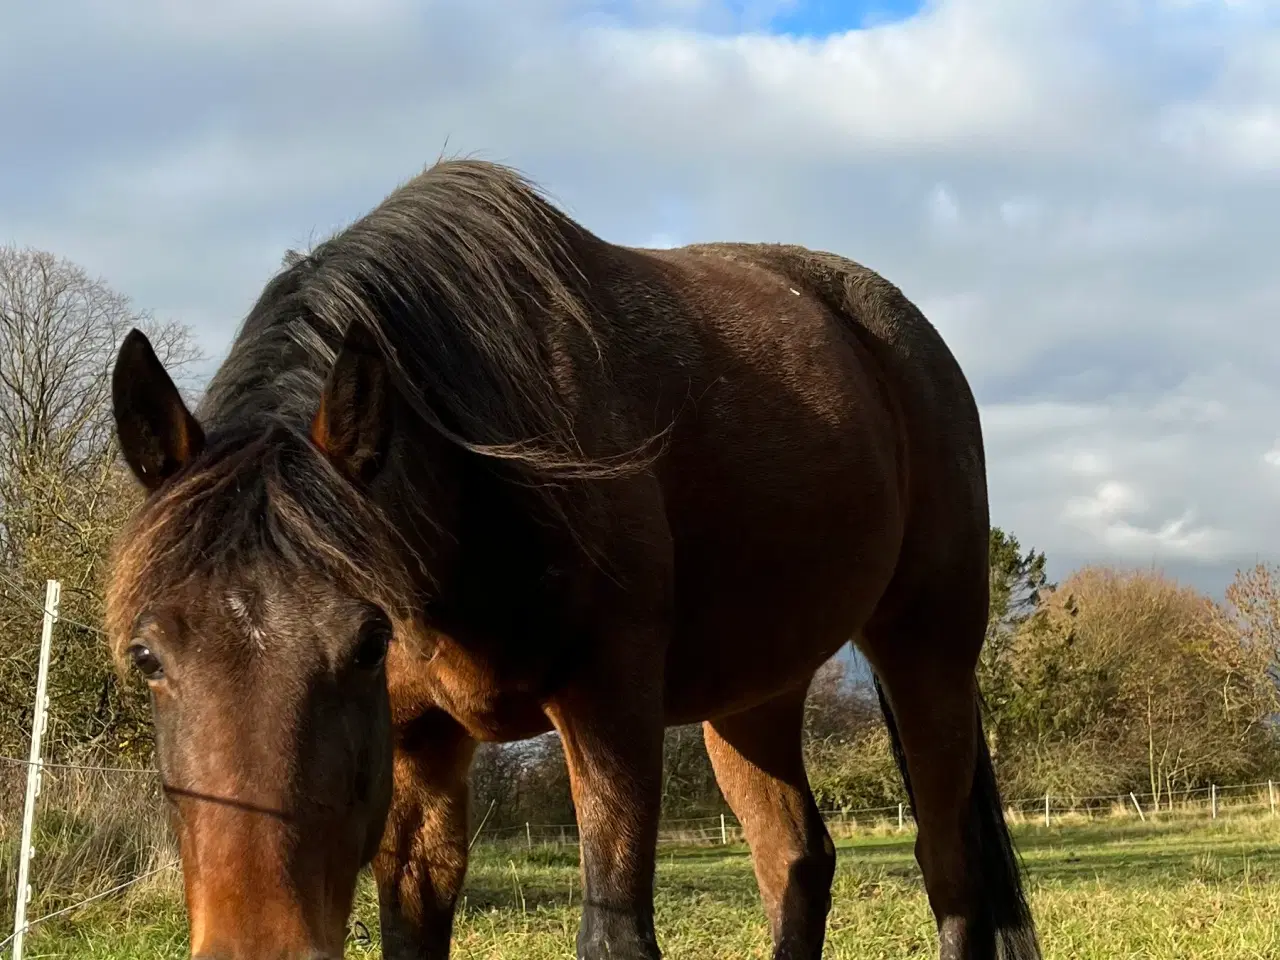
(759,766)
(924,657)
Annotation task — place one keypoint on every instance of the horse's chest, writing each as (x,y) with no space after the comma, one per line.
(492,702)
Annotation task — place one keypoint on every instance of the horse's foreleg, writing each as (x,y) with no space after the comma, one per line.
(610,722)
(422,861)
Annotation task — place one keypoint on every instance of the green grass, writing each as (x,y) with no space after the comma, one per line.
(1208,891)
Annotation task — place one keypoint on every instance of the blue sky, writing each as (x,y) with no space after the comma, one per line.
(815,19)
(820,18)
(1082,195)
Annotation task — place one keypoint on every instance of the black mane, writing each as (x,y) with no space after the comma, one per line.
(465,276)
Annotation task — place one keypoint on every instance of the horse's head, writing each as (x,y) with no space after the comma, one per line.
(256,592)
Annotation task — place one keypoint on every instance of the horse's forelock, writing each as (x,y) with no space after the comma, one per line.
(267,505)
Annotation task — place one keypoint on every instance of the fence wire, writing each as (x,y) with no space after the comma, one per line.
(38,605)
(1194,797)
(118,888)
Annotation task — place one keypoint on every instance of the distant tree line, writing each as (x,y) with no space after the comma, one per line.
(1109,681)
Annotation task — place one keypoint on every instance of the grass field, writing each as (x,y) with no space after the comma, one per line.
(1113,890)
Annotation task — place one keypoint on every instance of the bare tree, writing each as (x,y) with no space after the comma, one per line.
(59,329)
(63,491)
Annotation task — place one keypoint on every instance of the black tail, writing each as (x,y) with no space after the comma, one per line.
(993,855)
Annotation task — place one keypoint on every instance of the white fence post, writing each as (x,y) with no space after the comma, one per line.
(899,816)
(1047,823)
(52,594)
(724,833)
(1137,806)
(1213,801)
(528,835)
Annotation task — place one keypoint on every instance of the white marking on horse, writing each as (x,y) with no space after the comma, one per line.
(241,611)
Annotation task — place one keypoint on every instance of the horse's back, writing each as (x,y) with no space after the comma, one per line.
(826,440)
(947,529)
(937,416)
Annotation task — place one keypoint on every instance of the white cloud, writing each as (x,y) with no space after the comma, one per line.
(1109,501)
(1018,212)
(1113,515)
(1171,476)
(1081,195)
(1244,137)
(661,241)
(943,207)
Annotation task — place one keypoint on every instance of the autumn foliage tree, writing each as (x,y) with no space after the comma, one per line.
(1017,581)
(1128,680)
(1253,609)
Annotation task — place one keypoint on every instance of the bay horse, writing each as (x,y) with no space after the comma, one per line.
(470,473)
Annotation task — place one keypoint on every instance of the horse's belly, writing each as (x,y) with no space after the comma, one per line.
(732,659)
(757,614)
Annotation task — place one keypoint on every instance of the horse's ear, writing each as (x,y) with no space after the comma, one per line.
(157,433)
(352,426)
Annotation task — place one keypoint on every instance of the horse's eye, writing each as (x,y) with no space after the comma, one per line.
(146,662)
(371,646)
